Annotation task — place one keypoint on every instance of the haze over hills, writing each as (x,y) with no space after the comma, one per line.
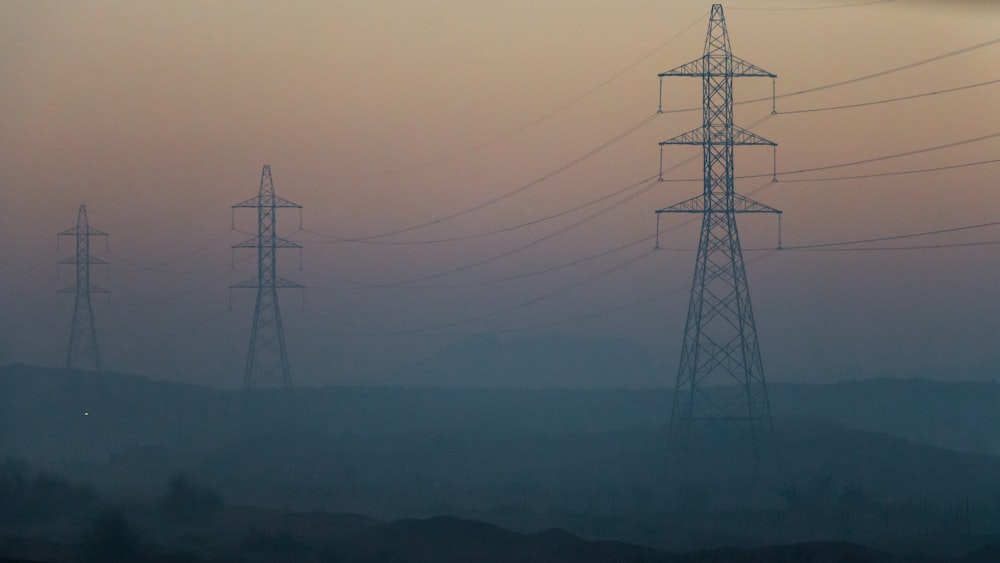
(848,462)
(553,360)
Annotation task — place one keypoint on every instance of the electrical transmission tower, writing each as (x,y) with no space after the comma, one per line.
(83,351)
(720,380)
(267,358)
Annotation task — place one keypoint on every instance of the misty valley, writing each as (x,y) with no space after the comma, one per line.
(105,466)
(502,351)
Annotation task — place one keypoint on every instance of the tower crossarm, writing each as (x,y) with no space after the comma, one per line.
(87,231)
(743,137)
(89,260)
(693,68)
(264,201)
(741,204)
(256,242)
(740,136)
(73,289)
(737,68)
(741,68)
(692,137)
(255,283)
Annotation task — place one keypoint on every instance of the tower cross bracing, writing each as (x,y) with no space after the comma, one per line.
(83,351)
(720,377)
(267,357)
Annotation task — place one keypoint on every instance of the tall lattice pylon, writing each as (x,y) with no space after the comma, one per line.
(720,380)
(267,358)
(83,352)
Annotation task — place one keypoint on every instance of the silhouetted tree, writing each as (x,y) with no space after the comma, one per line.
(184,500)
(27,498)
(273,548)
(112,540)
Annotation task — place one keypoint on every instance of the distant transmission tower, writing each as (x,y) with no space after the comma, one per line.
(720,380)
(83,351)
(267,358)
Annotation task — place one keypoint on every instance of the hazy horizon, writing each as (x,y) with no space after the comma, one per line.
(378,116)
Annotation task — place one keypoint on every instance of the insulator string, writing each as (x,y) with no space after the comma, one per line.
(660,107)
(774,163)
(774,109)
(657,245)
(661,164)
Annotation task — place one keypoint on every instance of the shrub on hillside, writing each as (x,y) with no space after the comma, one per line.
(186,501)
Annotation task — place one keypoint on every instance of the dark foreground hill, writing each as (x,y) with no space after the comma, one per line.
(136,535)
(593,462)
(962,416)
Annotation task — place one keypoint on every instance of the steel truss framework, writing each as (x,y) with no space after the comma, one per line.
(83,352)
(720,379)
(267,357)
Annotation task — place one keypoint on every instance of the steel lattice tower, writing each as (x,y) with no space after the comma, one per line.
(267,358)
(83,351)
(720,380)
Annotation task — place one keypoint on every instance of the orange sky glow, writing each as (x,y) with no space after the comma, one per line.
(380,115)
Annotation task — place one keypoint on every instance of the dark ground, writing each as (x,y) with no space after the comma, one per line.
(876,468)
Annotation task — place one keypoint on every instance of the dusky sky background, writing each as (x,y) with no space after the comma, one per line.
(380,115)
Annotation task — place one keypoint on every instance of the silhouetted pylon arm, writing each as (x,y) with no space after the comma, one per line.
(255,242)
(697,68)
(740,136)
(741,204)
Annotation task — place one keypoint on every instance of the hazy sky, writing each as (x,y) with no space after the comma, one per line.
(381,115)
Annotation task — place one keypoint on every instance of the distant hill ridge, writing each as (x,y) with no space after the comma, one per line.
(594,462)
(962,415)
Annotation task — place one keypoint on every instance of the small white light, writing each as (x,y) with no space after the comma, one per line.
(85,413)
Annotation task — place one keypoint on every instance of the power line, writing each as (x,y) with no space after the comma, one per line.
(189,328)
(524,224)
(366,240)
(486,233)
(632,129)
(538,272)
(891,70)
(187,291)
(177,295)
(496,312)
(525,187)
(855,79)
(564,265)
(912,247)
(890,100)
(893,237)
(514,132)
(803,8)
(896,173)
(543,297)
(407,283)
(622,307)
(159,267)
(515,191)
(551,294)
(365,285)
(404,284)
(769,252)
(868,161)
(651,182)
(886,157)
(579,260)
